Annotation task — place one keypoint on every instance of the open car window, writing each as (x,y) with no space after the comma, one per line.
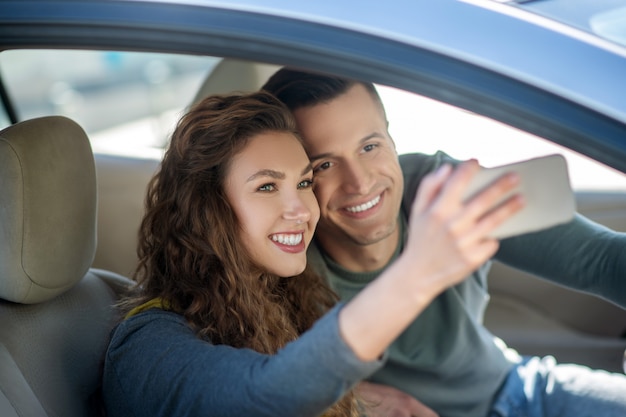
(125,101)
(420,124)
(128,103)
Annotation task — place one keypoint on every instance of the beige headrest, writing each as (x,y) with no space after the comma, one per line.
(47,208)
(230,75)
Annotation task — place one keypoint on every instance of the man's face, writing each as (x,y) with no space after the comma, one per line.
(357,179)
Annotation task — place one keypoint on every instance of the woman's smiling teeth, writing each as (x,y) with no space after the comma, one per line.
(364,206)
(287,239)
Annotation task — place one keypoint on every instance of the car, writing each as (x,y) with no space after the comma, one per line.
(497,80)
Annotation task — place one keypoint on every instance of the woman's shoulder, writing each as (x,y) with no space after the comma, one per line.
(154,325)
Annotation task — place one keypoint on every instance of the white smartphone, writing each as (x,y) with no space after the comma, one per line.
(545,186)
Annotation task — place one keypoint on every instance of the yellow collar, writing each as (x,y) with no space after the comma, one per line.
(154,303)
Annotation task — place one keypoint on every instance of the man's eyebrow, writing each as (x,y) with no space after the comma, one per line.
(364,139)
(372,135)
(320,156)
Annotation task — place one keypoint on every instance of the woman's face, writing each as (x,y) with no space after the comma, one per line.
(269,185)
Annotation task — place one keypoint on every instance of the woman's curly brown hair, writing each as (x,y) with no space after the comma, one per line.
(190,252)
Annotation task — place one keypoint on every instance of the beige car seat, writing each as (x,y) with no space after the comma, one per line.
(55,312)
(231,75)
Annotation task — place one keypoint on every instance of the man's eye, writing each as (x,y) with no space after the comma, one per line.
(369,147)
(308,183)
(322,167)
(267,187)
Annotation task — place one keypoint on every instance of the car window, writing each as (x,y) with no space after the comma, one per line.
(125,101)
(419,124)
(128,103)
(4,118)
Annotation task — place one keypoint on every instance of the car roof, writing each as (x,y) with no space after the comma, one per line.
(604,18)
(514,38)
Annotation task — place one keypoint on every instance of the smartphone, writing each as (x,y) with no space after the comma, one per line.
(545,186)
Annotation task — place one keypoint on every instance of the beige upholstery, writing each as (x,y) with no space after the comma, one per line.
(56,313)
(231,75)
(48,191)
(122,185)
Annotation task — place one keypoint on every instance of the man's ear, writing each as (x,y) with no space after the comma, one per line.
(390,137)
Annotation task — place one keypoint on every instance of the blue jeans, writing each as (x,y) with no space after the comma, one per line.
(538,387)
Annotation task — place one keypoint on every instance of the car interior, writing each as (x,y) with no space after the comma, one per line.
(532,315)
(58,297)
(56,310)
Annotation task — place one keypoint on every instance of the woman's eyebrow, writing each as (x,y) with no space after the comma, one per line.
(276,174)
(267,173)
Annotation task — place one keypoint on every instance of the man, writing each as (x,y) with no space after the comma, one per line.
(446,358)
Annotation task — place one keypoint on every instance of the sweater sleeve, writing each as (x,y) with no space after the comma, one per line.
(157,366)
(581,254)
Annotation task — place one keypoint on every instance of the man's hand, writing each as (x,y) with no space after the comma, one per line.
(385,401)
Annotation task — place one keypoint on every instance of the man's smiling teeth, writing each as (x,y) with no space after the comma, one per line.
(287,239)
(365,206)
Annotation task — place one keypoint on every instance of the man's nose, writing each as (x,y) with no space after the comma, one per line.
(356,178)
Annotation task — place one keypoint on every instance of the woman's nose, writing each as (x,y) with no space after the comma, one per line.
(296,210)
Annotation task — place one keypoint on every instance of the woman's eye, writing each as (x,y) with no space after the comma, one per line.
(267,187)
(308,183)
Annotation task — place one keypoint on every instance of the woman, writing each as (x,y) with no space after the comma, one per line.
(227,319)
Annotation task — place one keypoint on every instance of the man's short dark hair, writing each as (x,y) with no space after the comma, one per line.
(297,89)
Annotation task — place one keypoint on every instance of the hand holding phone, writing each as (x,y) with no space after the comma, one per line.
(544,185)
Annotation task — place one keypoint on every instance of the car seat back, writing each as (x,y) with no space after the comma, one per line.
(235,75)
(56,312)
